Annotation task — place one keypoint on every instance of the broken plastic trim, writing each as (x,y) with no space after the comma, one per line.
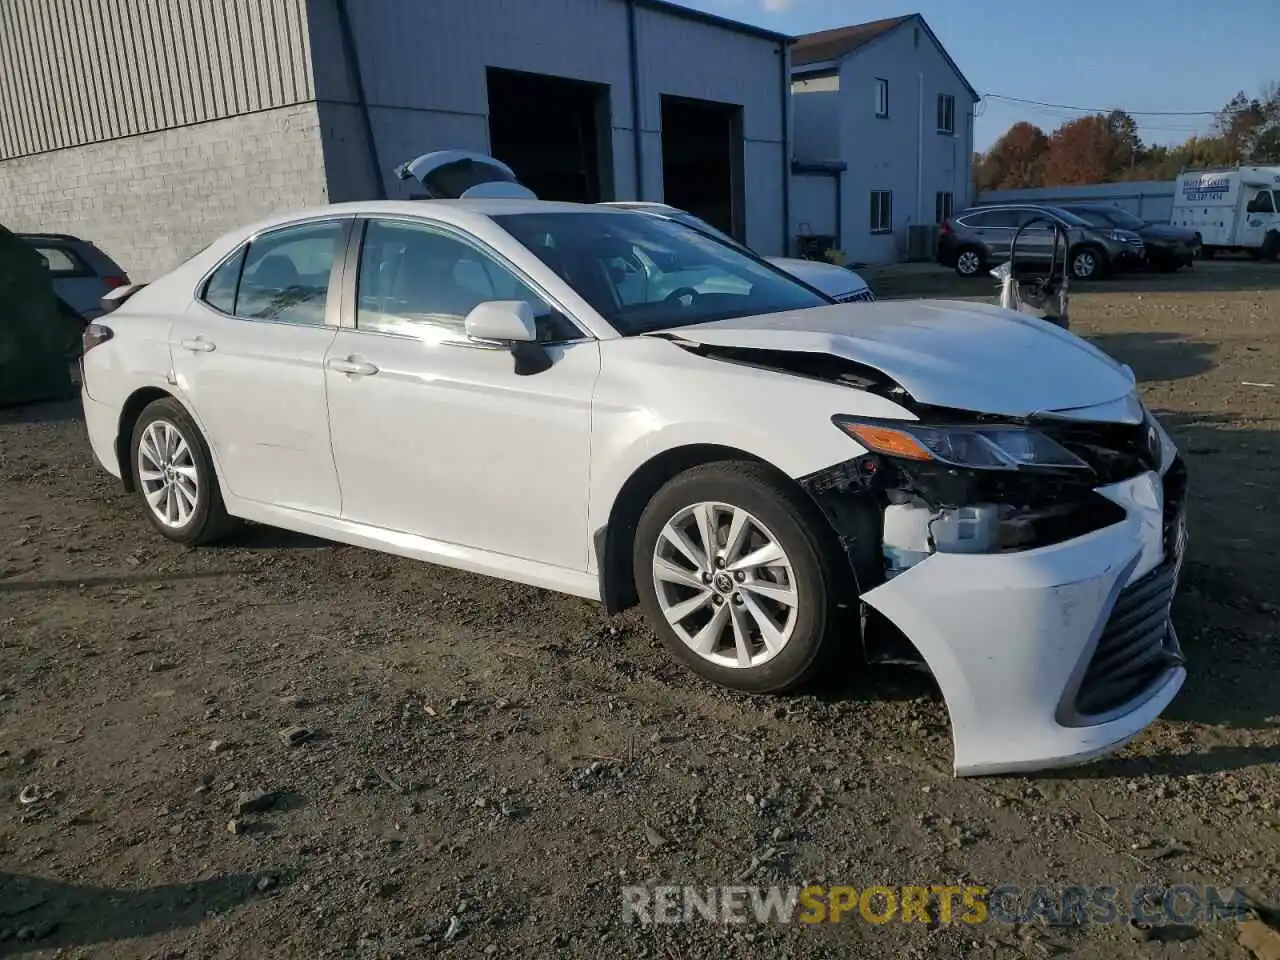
(811,366)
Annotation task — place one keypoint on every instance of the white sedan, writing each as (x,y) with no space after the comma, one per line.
(839,283)
(506,387)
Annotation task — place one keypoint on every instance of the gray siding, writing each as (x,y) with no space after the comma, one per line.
(423,70)
(682,58)
(882,152)
(815,104)
(83,71)
(886,153)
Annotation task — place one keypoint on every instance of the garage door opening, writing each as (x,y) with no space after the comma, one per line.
(554,133)
(702,161)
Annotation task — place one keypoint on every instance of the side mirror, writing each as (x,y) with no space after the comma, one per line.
(506,321)
(510,322)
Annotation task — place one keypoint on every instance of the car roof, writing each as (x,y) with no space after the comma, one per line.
(460,213)
(53,237)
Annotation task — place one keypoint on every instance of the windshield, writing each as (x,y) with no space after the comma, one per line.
(1092,217)
(689,220)
(1072,219)
(644,273)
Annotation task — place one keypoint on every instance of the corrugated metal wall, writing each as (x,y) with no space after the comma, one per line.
(83,71)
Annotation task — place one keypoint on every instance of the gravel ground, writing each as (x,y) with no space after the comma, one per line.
(481,767)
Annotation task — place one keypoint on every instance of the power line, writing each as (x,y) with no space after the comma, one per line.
(1132,113)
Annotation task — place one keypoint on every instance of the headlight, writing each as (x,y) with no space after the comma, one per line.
(1122,237)
(977,447)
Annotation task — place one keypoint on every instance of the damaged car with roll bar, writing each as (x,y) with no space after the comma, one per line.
(491,382)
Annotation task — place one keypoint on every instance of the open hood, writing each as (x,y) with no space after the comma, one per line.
(464,175)
(943,353)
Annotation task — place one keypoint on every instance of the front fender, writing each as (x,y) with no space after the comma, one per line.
(654,397)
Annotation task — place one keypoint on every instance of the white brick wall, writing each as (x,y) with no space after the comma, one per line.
(152,200)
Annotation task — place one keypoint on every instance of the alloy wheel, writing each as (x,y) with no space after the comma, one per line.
(167,473)
(725,585)
(1085,264)
(968,263)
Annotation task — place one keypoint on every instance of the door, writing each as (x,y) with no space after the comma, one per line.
(994,230)
(1259,214)
(249,357)
(1035,245)
(434,434)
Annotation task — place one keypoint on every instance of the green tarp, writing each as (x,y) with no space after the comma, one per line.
(34,331)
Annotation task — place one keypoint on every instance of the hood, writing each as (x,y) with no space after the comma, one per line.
(831,279)
(1162,231)
(943,353)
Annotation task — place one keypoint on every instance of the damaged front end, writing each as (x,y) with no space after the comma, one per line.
(955,482)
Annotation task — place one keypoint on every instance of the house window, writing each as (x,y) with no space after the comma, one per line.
(882,97)
(882,211)
(942,205)
(946,113)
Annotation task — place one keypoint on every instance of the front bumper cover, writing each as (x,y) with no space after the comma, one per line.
(1010,638)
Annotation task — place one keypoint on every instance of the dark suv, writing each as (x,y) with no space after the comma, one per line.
(978,238)
(81,272)
(1168,248)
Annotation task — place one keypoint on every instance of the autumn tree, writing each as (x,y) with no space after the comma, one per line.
(1126,146)
(1080,151)
(1107,147)
(1015,160)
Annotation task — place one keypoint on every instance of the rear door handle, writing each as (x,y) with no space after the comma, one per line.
(353,366)
(199,345)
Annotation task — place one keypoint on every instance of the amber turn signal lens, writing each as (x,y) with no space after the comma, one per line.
(890,442)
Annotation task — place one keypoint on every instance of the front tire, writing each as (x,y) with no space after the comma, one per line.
(173,473)
(755,611)
(1271,246)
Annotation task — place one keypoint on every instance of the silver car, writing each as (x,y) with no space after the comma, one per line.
(979,238)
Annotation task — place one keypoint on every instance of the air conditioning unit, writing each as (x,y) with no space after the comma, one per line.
(922,242)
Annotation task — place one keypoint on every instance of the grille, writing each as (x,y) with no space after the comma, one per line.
(1137,645)
(859,296)
(1115,451)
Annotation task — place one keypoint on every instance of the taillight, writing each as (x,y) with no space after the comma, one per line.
(115,281)
(95,334)
(945,226)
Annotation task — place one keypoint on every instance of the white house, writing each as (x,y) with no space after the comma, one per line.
(883,135)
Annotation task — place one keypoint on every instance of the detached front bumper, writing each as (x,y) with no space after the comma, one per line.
(1055,655)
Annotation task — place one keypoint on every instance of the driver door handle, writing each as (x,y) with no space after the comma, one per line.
(353,366)
(199,345)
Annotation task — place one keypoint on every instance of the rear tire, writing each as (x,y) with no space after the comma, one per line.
(174,476)
(970,262)
(764,627)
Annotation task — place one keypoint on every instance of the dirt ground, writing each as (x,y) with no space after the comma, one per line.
(490,764)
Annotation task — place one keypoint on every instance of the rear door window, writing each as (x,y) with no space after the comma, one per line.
(282,276)
(992,218)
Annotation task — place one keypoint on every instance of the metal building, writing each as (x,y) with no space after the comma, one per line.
(151,127)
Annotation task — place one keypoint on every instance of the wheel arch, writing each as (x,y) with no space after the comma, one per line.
(130,411)
(1104,258)
(612,542)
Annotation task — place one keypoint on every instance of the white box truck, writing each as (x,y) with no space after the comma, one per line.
(1235,208)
